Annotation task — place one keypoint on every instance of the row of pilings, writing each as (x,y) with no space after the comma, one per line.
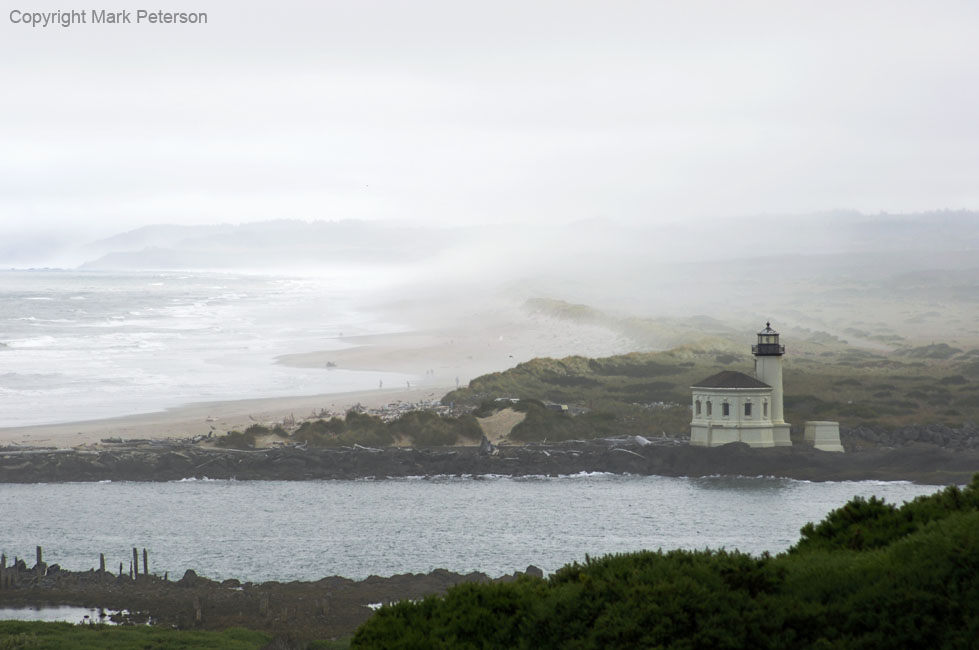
(19,574)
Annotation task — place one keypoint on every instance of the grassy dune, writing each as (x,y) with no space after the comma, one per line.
(648,393)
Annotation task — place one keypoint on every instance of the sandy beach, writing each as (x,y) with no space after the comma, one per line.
(438,357)
(197,419)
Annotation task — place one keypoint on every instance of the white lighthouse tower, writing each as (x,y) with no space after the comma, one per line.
(768,369)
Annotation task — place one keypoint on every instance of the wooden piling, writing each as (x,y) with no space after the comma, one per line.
(198,609)
(3,570)
(134,570)
(101,562)
(146,564)
(263,605)
(120,569)
(39,565)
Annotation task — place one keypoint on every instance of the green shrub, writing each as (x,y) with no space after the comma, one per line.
(488,407)
(624,366)
(18,635)
(870,523)
(256,430)
(573,381)
(543,424)
(870,575)
(236,440)
(425,428)
(320,428)
(361,429)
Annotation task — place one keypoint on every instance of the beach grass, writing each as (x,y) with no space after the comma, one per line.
(650,392)
(35,635)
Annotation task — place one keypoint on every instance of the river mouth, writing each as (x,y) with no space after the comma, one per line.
(260,531)
(64,614)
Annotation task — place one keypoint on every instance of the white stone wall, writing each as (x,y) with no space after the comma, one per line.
(717,429)
(824,435)
(735,398)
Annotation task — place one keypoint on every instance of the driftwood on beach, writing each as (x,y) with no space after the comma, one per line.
(923,463)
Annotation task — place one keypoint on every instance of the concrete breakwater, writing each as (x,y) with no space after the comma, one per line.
(323,608)
(920,462)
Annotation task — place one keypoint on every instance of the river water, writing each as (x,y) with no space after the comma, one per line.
(305,530)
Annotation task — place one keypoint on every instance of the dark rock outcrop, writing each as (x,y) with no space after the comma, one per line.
(964,438)
(329,607)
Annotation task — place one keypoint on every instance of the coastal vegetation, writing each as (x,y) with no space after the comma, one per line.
(26,635)
(870,575)
(246,439)
(883,381)
(419,428)
(648,393)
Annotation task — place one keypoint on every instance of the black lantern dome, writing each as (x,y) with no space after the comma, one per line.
(768,345)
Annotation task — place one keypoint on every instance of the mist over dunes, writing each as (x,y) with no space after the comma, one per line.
(767,265)
(284,243)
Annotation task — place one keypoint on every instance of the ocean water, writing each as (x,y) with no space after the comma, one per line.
(282,530)
(86,345)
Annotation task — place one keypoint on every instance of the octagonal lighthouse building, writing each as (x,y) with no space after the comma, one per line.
(732,406)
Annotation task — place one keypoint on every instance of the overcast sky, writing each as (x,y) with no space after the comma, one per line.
(463,112)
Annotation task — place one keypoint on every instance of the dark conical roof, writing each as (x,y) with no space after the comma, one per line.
(768,330)
(730,379)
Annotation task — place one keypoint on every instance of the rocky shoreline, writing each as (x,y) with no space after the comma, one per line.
(924,463)
(326,608)
(962,438)
(333,607)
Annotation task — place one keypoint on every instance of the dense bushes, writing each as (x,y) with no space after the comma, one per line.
(34,635)
(426,428)
(542,424)
(870,575)
(870,523)
(423,428)
(236,440)
(247,438)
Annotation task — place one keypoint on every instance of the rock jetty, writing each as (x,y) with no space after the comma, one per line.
(920,462)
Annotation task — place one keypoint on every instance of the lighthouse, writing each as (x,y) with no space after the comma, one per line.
(731,406)
(768,354)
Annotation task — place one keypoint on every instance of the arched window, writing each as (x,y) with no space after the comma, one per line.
(697,407)
(764,409)
(725,409)
(747,409)
(708,408)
